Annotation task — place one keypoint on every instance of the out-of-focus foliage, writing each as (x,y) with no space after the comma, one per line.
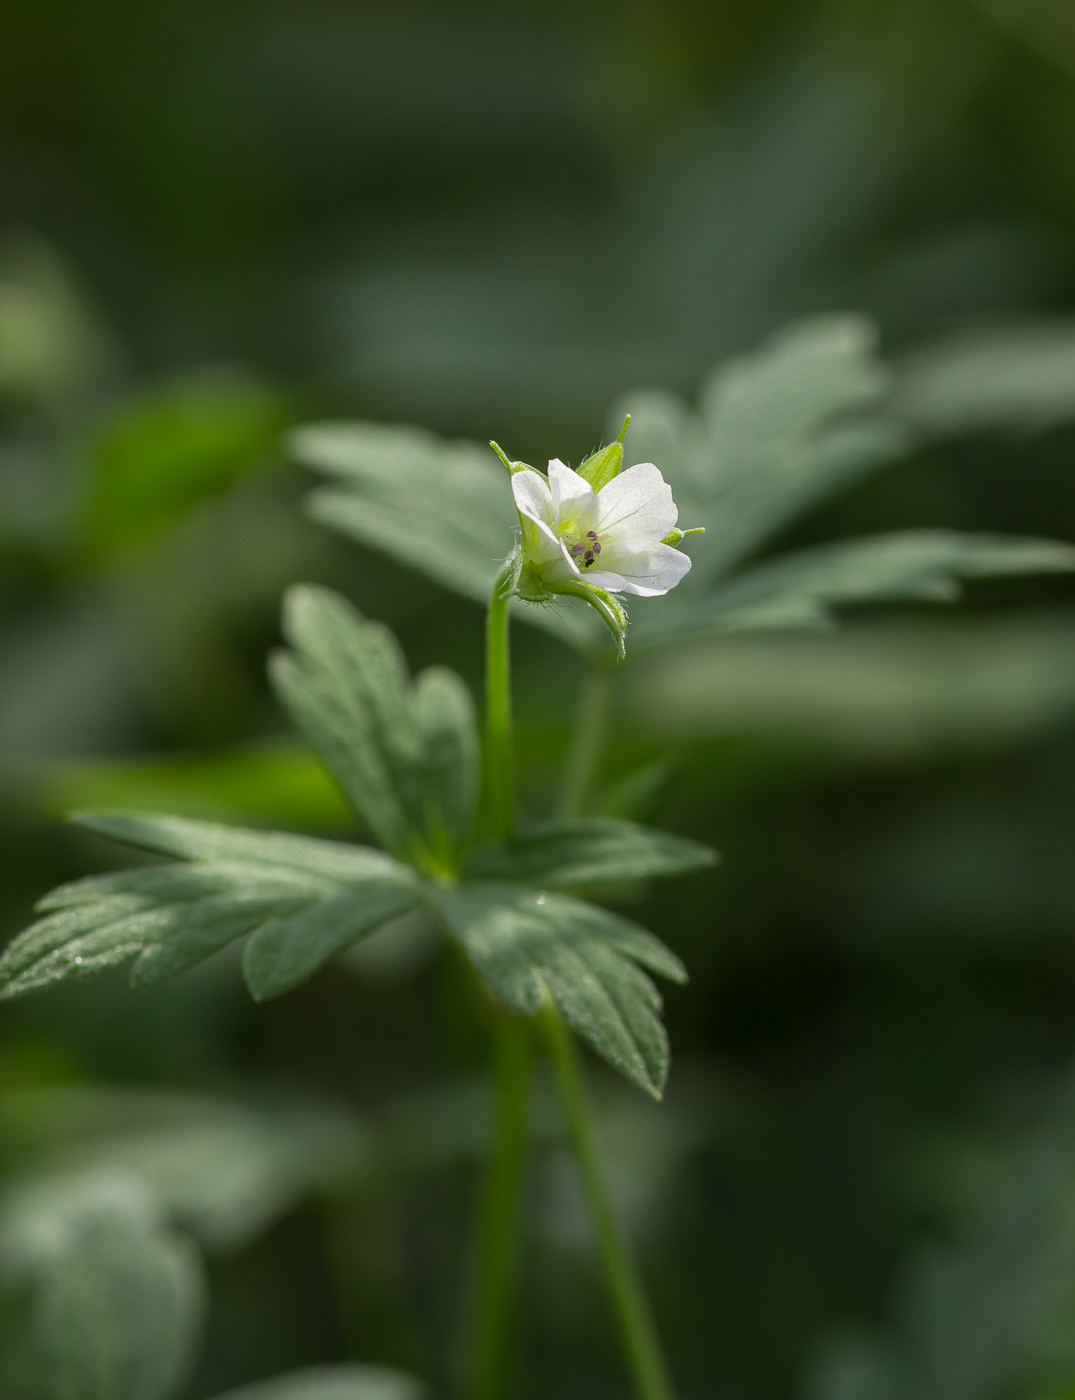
(222,220)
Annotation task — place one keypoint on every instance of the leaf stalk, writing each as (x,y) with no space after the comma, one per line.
(638,1332)
(488,1353)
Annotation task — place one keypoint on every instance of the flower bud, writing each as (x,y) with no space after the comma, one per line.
(599,468)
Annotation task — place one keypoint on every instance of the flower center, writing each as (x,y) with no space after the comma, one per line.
(584,549)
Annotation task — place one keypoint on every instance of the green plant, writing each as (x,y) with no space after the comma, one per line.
(777,432)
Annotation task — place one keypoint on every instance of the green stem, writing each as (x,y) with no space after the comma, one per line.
(499,755)
(487,1356)
(489,1344)
(586,737)
(637,1329)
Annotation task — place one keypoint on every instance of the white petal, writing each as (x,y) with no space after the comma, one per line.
(571,493)
(636,505)
(533,498)
(647,570)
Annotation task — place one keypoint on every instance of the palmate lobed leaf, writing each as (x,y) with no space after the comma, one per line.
(301,899)
(589,851)
(527,945)
(800,590)
(778,430)
(406,755)
(442,507)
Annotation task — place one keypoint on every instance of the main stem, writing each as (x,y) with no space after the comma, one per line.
(487,1359)
(637,1328)
(584,752)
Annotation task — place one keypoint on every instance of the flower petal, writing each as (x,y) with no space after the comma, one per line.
(533,498)
(646,570)
(636,505)
(571,493)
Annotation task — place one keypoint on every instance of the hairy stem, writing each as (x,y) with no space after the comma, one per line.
(499,754)
(638,1333)
(487,1358)
(587,736)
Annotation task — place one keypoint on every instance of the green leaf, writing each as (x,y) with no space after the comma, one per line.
(443,508)
(53,346)
(286,951)
(1015,377)
(224,1169)
(446,721)
(526,945)
(273,780)
(778,430)
(799,590)
(880,690)
(319,893)
(174,445)
(334,1383)
(405,755)
(589,851)
(119,1298)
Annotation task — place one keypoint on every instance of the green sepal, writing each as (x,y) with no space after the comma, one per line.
(512,467)
(607,462)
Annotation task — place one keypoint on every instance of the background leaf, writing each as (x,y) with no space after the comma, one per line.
(887,691)
(222,1168)
(119,1298)
(442,508)
(1011,377)
(777,431)
(800,590)
(334,1383)
(172,446)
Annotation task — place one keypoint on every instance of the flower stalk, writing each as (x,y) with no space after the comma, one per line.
(499,746)
(488,1341)
(488,1355)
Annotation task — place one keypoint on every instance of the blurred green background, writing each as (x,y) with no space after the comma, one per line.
(220,219)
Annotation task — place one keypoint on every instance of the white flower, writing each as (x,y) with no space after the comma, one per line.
(611,540)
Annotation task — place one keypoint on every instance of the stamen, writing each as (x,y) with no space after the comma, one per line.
(576,550)
(596,548)
(591,534)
